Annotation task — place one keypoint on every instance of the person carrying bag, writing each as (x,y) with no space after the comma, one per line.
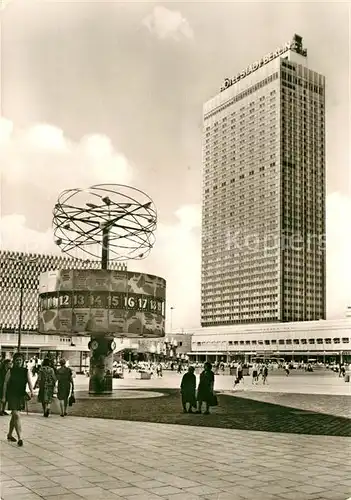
(71,400)
(65,387)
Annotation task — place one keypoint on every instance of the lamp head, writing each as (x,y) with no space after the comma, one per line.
(106,200)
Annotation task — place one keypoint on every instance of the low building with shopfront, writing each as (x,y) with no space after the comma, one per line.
(323,340)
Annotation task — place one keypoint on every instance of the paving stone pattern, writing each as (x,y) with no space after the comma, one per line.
(75,458)
(245,413)
(330,404)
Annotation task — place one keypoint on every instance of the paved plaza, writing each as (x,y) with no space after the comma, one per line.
(298,382)
(93,458)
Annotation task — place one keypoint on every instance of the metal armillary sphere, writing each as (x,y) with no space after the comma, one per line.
(107,221)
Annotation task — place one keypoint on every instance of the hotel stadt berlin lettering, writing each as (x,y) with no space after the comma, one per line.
(228,82)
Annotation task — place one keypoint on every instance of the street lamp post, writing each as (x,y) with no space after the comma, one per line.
(21,260)
(19,340)
(172,308)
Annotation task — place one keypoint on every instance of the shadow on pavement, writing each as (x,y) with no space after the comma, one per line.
(232,413)
(251,414)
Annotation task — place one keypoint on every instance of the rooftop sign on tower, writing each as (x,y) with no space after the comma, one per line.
(295,45)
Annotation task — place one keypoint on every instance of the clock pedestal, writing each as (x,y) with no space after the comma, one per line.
(101,365)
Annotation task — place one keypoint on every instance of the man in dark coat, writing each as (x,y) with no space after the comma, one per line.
(188,390)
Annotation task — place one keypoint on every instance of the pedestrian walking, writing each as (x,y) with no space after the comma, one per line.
(188,390)
(4,368)
(239,374)
(254,373)
(46,382)
(286,368)
(65,386)
(205,389)
(159,370)
(14,392)
(264,374)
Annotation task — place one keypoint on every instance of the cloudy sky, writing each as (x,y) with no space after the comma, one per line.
(96,92)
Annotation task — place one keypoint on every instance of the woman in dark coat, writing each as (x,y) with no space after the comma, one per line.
(64,385)
(205,389)
(46,382)
(14,392)
(188,390)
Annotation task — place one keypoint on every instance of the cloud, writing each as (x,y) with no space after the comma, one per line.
(3,4)
(43,157)
(338,244)
(16,235)
(6,129)
(189,216)
(165,23)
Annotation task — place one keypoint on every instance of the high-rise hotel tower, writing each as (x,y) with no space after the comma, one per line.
(263,216)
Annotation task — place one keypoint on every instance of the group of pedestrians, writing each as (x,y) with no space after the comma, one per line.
(258,370)
(46,382)
(149,367)
(192,402)
(14,379)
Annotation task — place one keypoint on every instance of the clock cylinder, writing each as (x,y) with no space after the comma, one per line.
(97,301)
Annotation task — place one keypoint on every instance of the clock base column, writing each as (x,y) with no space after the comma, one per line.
(101,365)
